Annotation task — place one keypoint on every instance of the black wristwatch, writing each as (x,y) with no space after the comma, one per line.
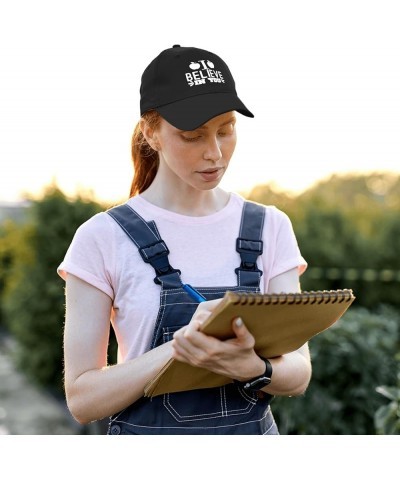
(257,383)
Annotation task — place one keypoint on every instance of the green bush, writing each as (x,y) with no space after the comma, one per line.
(387,417)
(15,255)
(33,300)
(350,360)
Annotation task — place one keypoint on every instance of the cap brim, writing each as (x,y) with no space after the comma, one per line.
(191,113)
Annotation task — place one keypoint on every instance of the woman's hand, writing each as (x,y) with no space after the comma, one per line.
(234,358)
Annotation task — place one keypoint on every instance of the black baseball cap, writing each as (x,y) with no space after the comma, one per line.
(188,86)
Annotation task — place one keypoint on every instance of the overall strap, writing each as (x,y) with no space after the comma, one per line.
(152,248)
(249,244)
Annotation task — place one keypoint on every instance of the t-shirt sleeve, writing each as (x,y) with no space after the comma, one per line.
(286,250)
(90,255)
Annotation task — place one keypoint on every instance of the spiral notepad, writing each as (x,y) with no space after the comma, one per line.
(280,323)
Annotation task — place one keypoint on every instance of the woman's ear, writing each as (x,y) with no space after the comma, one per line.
(149,134)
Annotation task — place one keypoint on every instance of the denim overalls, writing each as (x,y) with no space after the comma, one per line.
(220,410)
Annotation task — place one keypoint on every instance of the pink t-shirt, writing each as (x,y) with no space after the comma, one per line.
(203,248)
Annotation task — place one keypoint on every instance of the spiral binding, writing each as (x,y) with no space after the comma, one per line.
(311,297)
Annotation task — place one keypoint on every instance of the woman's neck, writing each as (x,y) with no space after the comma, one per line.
(186,200)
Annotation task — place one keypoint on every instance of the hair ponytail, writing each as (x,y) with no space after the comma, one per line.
(145,159)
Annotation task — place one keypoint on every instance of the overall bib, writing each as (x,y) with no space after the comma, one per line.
(219,410)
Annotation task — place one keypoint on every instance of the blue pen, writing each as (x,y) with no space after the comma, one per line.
(197,296)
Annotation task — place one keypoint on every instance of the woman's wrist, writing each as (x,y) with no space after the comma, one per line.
(256,368)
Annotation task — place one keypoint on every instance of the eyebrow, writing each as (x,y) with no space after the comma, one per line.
(203,127)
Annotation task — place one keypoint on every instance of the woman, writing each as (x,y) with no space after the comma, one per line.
(178,227)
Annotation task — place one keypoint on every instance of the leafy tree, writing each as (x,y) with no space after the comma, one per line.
(348,229)
(34,297)
(15,255)
(268,194)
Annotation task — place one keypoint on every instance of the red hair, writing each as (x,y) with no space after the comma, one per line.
(145,159)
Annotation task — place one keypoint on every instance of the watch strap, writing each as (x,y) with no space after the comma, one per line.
(260,381)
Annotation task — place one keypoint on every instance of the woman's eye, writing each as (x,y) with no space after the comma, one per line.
(225,132)
(228,130)
(190,139)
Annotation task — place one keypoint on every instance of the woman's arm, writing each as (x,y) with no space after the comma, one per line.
(93,389)
(291,372)
(237,359)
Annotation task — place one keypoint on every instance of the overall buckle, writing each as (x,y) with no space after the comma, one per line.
(249,251)
(157,255)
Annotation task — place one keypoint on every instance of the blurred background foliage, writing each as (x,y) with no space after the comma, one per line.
(32,295)
(350,360)
(348,229)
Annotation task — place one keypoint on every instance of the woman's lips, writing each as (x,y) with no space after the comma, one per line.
(211,174)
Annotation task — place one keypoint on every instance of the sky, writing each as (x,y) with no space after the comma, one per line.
(322,79)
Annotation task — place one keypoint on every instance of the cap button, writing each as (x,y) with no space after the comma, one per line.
(175,46)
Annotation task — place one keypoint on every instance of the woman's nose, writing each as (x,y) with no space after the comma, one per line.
(213,150)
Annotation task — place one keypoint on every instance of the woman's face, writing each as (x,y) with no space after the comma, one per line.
(198,158)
